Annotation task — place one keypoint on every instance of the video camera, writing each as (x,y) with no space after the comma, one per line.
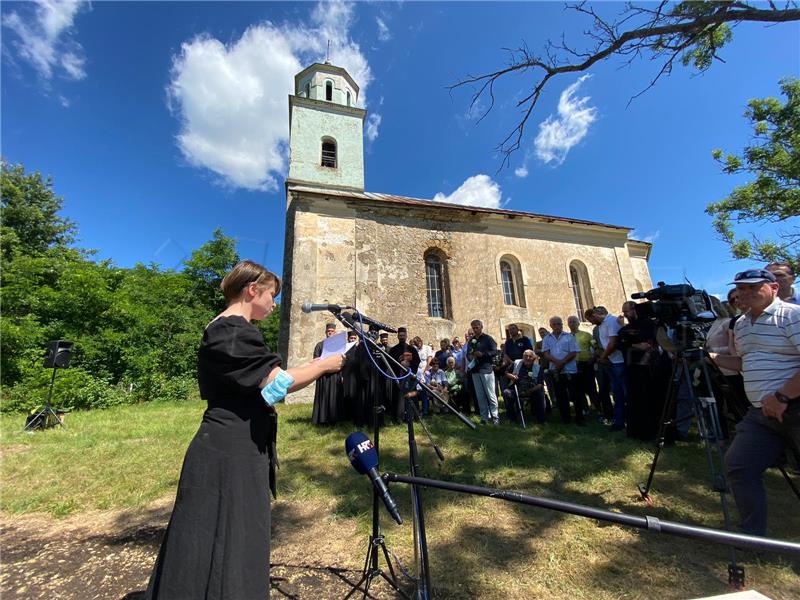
(675,305)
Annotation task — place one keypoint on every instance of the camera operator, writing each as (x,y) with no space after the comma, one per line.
(643,380)
(767,346)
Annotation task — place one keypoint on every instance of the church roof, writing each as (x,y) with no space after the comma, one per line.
(326,68)
(407,201)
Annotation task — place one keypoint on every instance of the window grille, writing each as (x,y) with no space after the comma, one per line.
(507,276)
(581,290)
(434,274)
(329,154)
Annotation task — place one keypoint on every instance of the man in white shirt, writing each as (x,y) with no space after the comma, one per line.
(612,359)
(560,349)
(768,355)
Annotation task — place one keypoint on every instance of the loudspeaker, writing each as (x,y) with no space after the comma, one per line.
(58,354)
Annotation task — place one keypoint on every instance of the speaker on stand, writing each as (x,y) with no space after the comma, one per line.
(59,353)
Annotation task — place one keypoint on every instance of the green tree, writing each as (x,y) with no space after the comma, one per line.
(773,195)
(270,328)
(30,220)
(208,265)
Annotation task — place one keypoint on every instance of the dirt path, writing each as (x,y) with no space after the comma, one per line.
(109,554)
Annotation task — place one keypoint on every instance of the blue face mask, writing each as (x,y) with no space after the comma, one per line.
(276,390)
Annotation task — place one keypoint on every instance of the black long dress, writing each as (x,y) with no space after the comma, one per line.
(217,543)
(328,397)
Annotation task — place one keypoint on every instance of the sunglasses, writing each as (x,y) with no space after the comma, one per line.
(755,274)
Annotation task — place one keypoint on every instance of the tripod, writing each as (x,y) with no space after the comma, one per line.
(46,416)
(704,409)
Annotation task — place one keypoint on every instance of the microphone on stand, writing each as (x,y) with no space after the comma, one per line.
(364,458)
(334,308)
(358,317)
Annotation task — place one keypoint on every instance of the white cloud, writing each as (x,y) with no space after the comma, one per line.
(373,122)
(45,38)
(475,110)
(232,99)
(521,172)
(557,135)
(384,34)
(478,190)
(649,238)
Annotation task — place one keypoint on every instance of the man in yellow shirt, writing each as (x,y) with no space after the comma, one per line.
(586,384)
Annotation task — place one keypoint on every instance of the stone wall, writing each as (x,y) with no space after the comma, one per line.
(370,255)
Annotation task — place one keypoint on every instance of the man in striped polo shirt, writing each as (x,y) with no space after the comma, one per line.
(768,355)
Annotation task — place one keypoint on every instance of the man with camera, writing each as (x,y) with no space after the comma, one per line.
(767,352)
(482,349)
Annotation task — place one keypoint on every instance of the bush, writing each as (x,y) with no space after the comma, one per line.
(160,387)
(74,389)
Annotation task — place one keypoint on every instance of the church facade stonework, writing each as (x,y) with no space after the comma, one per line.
(431,266)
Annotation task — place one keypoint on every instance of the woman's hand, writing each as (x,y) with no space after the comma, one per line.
(332,363)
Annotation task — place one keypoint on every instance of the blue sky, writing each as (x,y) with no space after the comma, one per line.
(161,121)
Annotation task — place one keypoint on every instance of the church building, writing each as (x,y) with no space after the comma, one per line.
(455,263)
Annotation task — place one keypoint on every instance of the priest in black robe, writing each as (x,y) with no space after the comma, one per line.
(328,397)
(396,408)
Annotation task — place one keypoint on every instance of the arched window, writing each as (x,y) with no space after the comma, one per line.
(308,90)
(328,91)
(510,273)
(436,284)
(328,153)
(507,276)
(348,97)
(581,289)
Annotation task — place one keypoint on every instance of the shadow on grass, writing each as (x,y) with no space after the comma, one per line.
(564,462)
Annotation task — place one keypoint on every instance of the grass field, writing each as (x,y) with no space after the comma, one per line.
(129,456)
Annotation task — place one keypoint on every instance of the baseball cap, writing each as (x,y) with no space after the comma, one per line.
(754,276)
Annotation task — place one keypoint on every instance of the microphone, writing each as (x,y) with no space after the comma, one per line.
(358,317)
(364,458)
(334,308)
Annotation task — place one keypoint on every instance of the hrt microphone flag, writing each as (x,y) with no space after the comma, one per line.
(364,458)
(361,452)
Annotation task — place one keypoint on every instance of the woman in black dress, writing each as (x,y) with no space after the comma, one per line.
(217,542)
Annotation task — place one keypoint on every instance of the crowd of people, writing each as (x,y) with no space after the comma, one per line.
(620,373)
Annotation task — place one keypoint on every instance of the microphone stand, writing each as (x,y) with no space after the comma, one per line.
(418,516)
(654,524)
(377,541)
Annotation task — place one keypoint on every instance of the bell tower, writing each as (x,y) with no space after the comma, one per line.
(326,129)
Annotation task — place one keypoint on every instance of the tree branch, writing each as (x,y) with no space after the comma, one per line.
(693,29)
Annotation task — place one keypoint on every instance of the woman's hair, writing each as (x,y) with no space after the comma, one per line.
(417,341)
(243,274)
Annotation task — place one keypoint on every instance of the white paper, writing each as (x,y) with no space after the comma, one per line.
(336,344)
